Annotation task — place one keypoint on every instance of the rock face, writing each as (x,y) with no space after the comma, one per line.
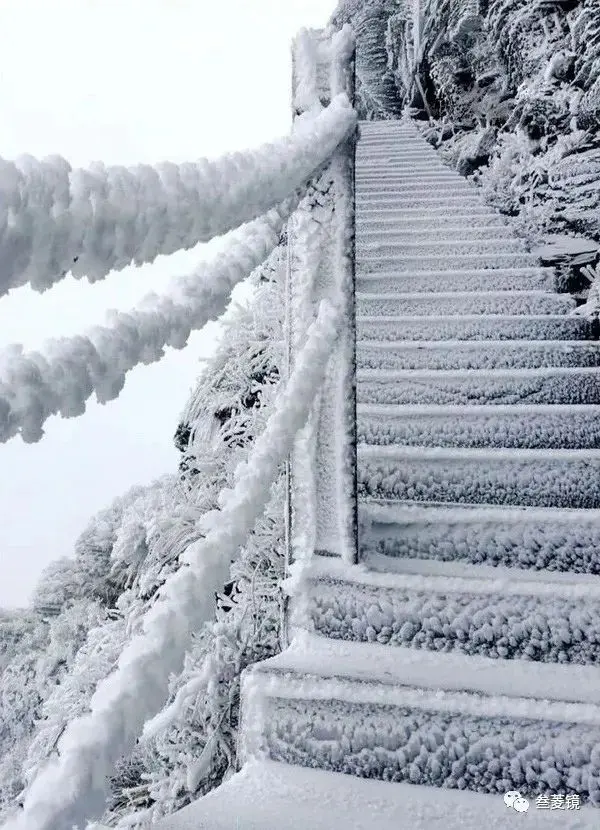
(511,89)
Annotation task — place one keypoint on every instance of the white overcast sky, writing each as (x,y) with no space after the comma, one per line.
(122,81)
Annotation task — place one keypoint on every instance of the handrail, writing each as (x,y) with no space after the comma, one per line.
(319,390)
(88,222)
(321,491)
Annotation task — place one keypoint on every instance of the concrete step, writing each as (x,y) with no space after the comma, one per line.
(445,720)
(464,302)
(479,386)
(395,245)
(475,327)
(525,426)
(457,201)
(552,540)
(423,605)
(465,354)
(272,796)
(426,175)
(418,222)
(483,279)
(532,478)
(450,262)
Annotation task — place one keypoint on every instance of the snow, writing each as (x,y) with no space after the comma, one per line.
(473,327)
(520,425)
(401,715)
(36,385)
(72,788)
(542,385)
(56,220)
(458,302)
(496,616)
(266,795)
(569,693)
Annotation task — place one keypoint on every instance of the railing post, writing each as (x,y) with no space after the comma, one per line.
(321,512)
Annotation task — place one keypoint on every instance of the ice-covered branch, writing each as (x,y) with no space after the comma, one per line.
(34,386)
(72,787)
(54,219)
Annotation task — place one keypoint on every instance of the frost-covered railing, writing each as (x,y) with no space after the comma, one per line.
(53,220)
(322,468)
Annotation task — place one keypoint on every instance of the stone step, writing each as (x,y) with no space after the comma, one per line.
(445,720)
(475,327)
(532,478)
(424,605)
(479,386)
(273,796)
(377,169)
(418,222)
(465,354)
(450,262)
(484,279)
(389,183)
(552,540)
(528,426)
(464,302)
(366,245)
(426,235)
(430,175)
(456,201)
(400,163)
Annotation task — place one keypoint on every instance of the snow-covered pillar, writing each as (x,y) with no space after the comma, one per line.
(321,515)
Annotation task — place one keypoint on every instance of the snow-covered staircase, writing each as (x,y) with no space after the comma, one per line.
(463,651)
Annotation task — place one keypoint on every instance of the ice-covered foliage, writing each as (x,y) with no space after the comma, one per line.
(511,89)
(92,744)
(127,551)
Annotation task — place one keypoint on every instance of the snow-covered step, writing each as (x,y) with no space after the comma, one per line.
(556,540)
(418,222)
(535,478)
(272,796)
(477,279)
(408,166)
(456,201)
(498,615)
(408,189)
(370,245)
(403,189)
(479,386)
(428,175)
(464,302)
(529,426)
(384,174)
(444,720)
(475,327)
(416,219)
(451,262)
(466,354)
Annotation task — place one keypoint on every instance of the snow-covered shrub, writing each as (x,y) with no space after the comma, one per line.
(193,741)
